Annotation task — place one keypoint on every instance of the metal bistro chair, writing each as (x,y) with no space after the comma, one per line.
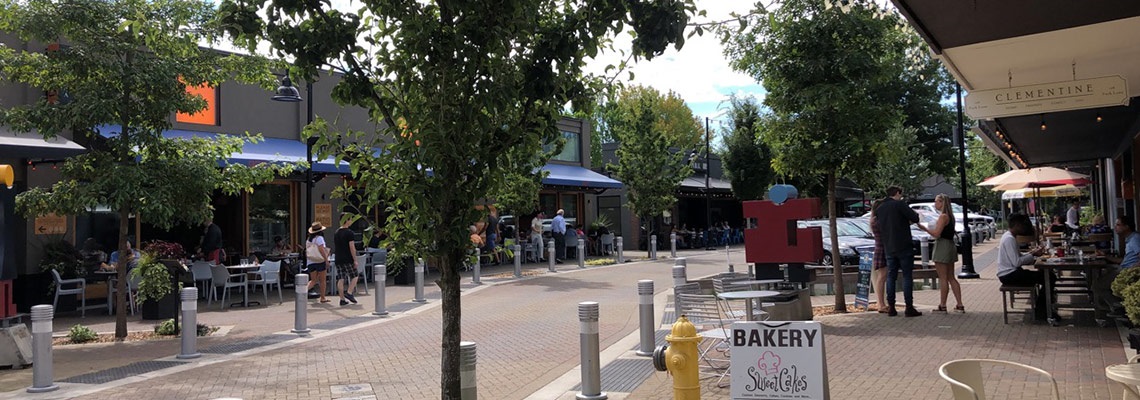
(269,274)
(965,377)
(80,289)
(223,279)
(132,291)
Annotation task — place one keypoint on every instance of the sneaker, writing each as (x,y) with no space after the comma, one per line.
(911,312)
(350,297)
(343,303)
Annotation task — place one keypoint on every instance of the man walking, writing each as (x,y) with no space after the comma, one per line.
(558,230)
(536,235)
(894,218)
(344,247)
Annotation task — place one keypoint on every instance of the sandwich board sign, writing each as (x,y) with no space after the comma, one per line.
(778,360)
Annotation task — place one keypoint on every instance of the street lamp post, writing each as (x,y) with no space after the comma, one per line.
(288,93)
(967,248)
(708,192)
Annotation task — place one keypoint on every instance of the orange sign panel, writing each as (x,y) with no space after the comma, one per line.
(51,224)
(208,115)
(323,213)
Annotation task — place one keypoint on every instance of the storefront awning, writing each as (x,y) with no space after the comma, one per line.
(267,150)
(697,182)
(33,145)
(573,175)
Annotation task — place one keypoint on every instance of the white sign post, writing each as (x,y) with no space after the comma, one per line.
(778,360)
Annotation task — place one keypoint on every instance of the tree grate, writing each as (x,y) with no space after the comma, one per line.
(125,371)
(624,375)
(235,347)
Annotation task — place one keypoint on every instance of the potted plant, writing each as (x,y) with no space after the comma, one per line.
(1126,286)
(158,275)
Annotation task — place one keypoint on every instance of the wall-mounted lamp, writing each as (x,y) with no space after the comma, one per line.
(7,175)
(1043,126)
(1098,118)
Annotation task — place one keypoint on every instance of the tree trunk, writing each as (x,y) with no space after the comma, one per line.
(449,286)
(836,259)
(121,269)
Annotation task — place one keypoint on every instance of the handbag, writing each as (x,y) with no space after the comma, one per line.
(313,253)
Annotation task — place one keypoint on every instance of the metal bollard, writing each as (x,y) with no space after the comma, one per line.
(468,390)
(620,259)
(924,249)
(550,253)
(728,259)
(300,316)
(41,349)
(380,272)
(673,245)
(581,253)
(653,247)
(477,271)
(189,324)
(518,261)
(420,281)
(591,364)
(977,236)
(648,338)
(680,273)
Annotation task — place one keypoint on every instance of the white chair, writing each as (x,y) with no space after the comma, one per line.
(200,270)
(80,289)
(361,263)
(269,274)
(223,279)
(965,377)
(606,243)
(132,291)
(571,243)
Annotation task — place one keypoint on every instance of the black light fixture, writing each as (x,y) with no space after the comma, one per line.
(287,92)
(1043,126)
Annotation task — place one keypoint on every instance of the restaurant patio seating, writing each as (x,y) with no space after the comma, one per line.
(965,377)
(361,264)
(200,270)
(79,289)
(132,291)
(705,313)
(571,244)
(606,243)
(223,279)
(1008,294)
(269,274)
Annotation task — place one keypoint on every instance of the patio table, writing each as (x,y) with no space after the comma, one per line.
(1050,266)
(243,269)
(1127,375)
(747,296)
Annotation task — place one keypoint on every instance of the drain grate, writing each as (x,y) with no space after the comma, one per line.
(339,323)
(125,371)
(624,375)
(230,348)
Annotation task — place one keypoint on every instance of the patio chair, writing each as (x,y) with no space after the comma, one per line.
(965,377)
(606,243)
(132,291)
(361,263)
(725,284)
(571,244)
(223,279)
(269,274)
(79,289)
(200,270)
(705,313)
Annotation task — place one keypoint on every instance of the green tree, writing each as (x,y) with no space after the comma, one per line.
(747,160)
(455,85)
(126,62)
(920,90)
(829,74)
(901,163)
(981,163)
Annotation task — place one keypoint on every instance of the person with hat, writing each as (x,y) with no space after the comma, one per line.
(317,259)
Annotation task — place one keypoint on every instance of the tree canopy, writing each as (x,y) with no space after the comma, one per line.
(126,63)
(456,84)
(747,160)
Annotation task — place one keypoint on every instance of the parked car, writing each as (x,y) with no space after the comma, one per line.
(917,235)
(850,237)
(976,220)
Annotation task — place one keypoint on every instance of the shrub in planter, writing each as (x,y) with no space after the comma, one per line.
(153,277)
(81,334)
(167,328)
(1126,286)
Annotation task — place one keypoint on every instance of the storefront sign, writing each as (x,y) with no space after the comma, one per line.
(323,214)
(1050,97)
(778,360)
(863,286)
(51,224)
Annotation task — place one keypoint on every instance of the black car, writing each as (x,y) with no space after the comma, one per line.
(850,237)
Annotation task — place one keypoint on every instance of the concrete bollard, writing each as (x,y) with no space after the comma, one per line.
(680,272)
(924,249)
(518,260)
(419,281)
(380,273)
(581,253)
(41,349)
(673,245)
(189,324)
(645,306)
(300,316)
(468,390)
(550,253)
(620,258)
(590,352)
(477,272)
(977,235)
(728,259)
(653,247)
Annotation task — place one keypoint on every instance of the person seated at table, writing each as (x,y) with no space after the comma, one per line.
(1098,226)
(1104,300)
(280,247)
(1010,261)
(1058,225)
(131,262)
(93,258)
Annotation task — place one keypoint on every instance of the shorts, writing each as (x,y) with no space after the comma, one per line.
(318,267)
(346,271)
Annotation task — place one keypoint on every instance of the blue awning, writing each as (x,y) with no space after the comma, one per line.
(267,150)
(573,175)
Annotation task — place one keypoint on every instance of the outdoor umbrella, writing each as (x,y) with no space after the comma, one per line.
(1036,177)
(1055,191)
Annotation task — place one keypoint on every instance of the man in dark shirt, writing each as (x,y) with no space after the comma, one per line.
(344,248)
(212,242)
(894,218)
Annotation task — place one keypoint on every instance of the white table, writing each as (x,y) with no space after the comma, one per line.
(1127,375)
(747,296)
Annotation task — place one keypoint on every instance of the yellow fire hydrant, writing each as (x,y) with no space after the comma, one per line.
(680,358)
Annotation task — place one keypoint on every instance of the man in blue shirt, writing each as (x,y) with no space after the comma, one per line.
(1104,300)
(558,231)
(131,262)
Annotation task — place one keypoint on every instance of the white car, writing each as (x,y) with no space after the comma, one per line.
(975,219)
(546,224)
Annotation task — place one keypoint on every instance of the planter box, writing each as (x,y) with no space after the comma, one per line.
(165,308)
(406,275)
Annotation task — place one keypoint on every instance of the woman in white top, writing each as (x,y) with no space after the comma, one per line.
(536,235)
(317,259)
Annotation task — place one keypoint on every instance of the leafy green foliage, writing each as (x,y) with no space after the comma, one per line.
(653,151)
(167,328)
(901,163)
(981,163)
(154,278)
(81,334)
(747,160)
(127,62)
(454,86)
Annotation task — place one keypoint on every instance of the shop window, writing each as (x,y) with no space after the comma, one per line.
(570,206)
(269,207)
(571,151)
(548,204)
(206,116)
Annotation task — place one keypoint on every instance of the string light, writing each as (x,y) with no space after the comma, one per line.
(1098,118)
(1043,126)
